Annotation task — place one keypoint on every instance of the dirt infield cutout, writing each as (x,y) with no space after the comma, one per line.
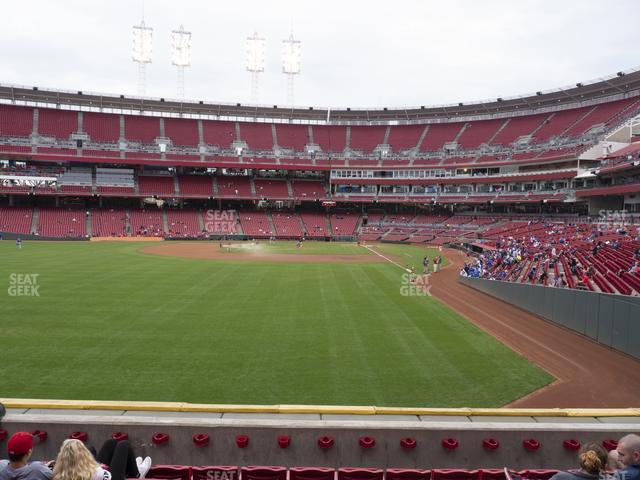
(236,253)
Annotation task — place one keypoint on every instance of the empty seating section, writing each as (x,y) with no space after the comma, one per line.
(222,134)
(60,222)
(256,224)
(600,116)
(308,189)
(108,223)
(438,134)
(271,188)
(57,123)
(181,131)
(114,181)
(101,127)
(257,135)
(478,132)
(141,129)
(314,224)
(76,176)
(366,139)
(559,122)
(519,127)
(287,224)
(344,224)
(234,187)
(15,121)
(156,185)
(295,137)
(196,185)
(330,138)
(404,137)
(184,223)
(146,223)
(16,219)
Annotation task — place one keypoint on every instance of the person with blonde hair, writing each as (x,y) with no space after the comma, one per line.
(76,462)
(593,462)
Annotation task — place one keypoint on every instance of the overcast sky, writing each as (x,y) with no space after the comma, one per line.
(355,53)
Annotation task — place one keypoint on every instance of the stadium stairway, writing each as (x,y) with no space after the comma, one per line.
(201,221)
(303,227)
(34,221)
(127,222)
(271,224)
(165,223)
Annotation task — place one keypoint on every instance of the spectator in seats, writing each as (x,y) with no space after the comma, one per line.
(543,278)
(76,462)
(18,467)
(560,282)
(593,461)
(628,455)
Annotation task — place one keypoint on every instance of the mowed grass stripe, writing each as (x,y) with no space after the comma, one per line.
(116,324)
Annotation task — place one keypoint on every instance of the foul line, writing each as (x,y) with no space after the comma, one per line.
(386,258)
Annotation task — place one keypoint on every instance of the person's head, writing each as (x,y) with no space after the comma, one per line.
(19,447)
(593,458)
(74,462)
(629,450)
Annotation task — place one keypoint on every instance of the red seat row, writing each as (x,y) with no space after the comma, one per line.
(217,472)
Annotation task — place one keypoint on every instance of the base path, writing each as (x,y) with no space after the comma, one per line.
(588,375)
(212,251)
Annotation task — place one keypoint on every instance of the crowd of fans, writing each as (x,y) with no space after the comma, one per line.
(547,250)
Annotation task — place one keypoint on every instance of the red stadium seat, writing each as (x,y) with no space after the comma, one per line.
(170,472)
(215,472)
(539,474)
(492,474)
(360,474)
(455,474)
(311,473)
(407,474)
(263,473)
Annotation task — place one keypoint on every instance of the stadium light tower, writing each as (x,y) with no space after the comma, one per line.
(181,54)
(291,57)
(142,53)
(255,47)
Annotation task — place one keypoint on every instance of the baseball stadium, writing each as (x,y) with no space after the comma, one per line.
(444,292)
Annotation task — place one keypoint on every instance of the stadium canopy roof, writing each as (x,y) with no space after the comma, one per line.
(620,85)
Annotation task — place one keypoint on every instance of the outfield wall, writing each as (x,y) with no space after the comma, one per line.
(611,320)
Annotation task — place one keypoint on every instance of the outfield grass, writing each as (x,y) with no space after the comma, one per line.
(112,323)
